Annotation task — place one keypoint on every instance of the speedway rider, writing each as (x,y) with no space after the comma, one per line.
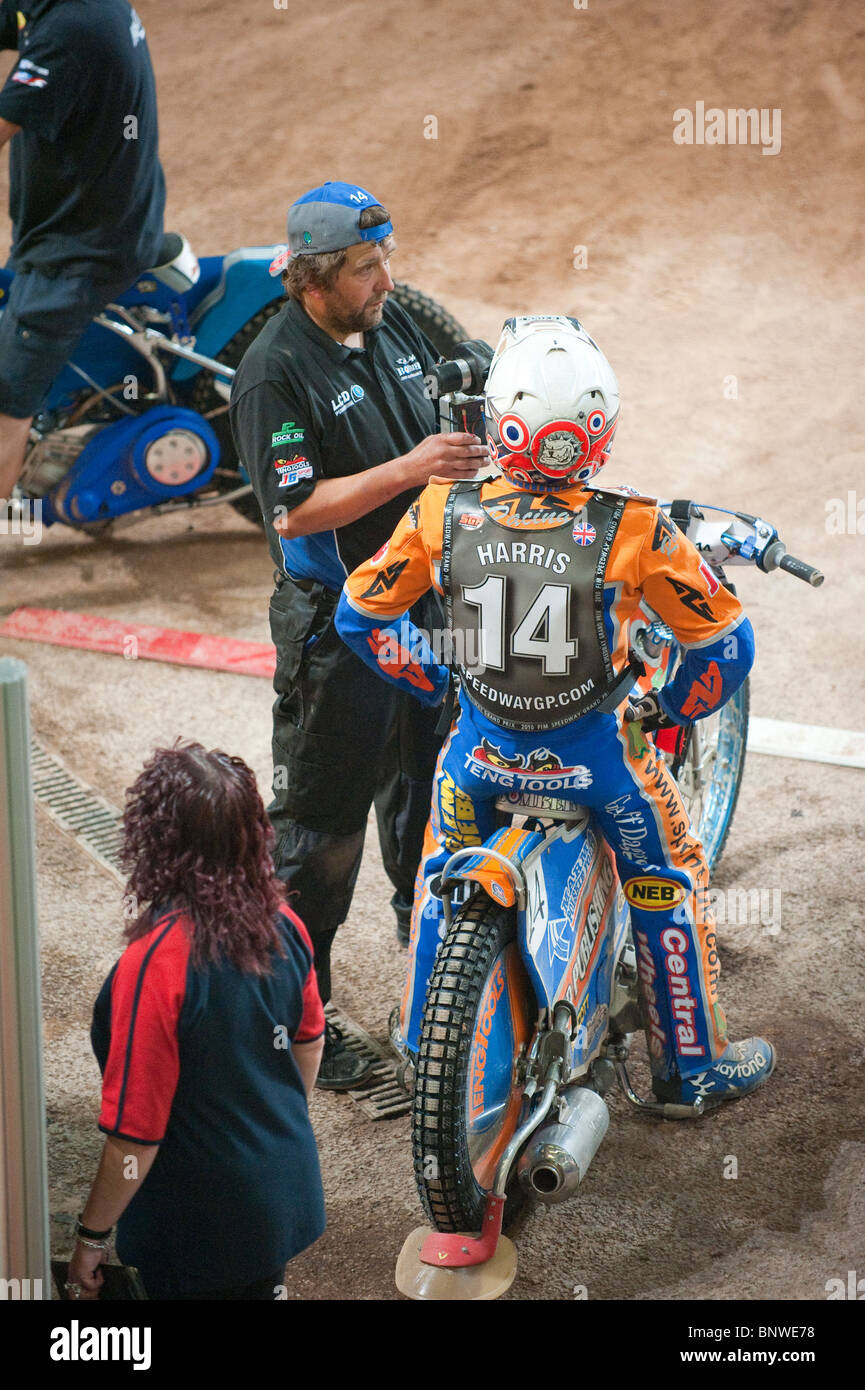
(541,573)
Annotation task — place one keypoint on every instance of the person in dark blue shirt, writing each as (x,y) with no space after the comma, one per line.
(209,1033)
(86,188)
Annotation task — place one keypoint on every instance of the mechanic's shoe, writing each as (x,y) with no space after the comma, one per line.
(341,1069)
(403,927)
(738,1071)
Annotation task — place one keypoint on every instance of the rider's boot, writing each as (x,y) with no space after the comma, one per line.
(739,1070)
(690,1053)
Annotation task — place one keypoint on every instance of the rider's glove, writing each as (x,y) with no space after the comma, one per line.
(650,713)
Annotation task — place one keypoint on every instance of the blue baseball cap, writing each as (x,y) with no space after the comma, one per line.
(326,219)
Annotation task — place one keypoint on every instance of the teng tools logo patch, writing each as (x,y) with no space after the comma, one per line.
(478,1061)
(538,770)
(538,760)
(292,470)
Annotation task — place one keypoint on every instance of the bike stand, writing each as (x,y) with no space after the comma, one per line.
(434,1266)
(443,1265)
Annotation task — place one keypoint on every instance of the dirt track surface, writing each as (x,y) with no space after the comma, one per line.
(704,263)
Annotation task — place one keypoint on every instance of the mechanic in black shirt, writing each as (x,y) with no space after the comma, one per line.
(86,190)
(333,424)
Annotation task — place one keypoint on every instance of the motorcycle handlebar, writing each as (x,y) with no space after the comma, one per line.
(776,557)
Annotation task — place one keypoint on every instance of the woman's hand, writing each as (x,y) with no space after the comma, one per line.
(84,1270)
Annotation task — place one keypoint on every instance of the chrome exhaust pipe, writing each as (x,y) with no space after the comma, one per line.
(557,1157)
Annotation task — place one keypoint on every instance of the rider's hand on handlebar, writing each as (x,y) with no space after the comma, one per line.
(650,713)
(445,455)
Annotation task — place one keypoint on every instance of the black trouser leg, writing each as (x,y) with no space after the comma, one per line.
(320,871)
(403,796)
(331,721)
(404,791)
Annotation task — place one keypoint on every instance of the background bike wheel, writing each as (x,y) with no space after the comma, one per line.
(208,402)
(709,773)
(479,1012)
(442,329)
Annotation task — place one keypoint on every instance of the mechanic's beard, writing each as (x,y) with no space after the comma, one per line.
(357,322)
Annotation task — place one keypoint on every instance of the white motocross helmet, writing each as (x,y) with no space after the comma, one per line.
(552,403)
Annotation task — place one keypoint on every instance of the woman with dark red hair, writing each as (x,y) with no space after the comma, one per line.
(209,1032)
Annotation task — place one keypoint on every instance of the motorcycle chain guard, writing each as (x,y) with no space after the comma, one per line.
(114,474)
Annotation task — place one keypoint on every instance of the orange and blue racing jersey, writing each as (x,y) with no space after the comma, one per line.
(540,591)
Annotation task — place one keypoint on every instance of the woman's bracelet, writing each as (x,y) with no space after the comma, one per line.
(84,1231)
(93,1244)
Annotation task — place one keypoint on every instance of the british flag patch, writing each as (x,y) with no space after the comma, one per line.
(584,533)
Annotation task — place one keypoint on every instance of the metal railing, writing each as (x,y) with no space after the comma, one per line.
(24,1252)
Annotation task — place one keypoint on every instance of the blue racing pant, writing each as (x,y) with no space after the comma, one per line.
(617,772)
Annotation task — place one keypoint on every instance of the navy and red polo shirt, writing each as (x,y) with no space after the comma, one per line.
(199,1061)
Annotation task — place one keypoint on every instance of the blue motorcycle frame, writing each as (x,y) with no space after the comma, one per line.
(141,358)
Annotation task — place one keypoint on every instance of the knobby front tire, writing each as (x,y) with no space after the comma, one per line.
(479,1014)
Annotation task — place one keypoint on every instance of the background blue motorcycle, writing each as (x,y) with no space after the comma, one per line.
(137,420)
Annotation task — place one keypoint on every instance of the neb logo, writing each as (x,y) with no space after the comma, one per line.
(654,894)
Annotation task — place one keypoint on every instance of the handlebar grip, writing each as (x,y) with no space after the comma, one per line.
(776,558)
(810,575)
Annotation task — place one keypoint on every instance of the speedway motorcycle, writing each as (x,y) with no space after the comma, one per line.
(136,423)
(534,996)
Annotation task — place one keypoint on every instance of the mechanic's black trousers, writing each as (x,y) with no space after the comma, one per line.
(342,739)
